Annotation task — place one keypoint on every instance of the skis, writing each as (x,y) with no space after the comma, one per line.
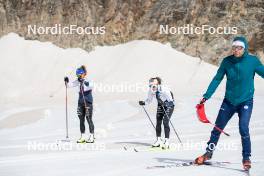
(184,164)
(147,149)
(73,142)
(85,142)
(219,164)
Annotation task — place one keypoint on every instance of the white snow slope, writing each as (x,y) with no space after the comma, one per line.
(32,112)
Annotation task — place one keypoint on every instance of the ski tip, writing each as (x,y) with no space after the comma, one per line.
(64,140)
(81,142)
(135,150)
(246,170)
(227,134)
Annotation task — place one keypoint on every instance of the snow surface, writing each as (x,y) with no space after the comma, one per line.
(32,111)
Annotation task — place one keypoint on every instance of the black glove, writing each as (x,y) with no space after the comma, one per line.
(80,80)
(142,103)
(66,79)
(203,101)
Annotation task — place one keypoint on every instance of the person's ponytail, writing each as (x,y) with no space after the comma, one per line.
(84,69)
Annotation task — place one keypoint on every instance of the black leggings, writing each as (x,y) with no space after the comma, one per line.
(88,113)
(165,117)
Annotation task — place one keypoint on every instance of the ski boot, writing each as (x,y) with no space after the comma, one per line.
(158,143)
(81,140)
(91,139)
(201,159)
(246,164)
(166,144)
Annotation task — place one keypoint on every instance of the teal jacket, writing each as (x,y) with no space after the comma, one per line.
(240,74)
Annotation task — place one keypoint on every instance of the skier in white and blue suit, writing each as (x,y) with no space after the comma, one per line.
(85,102)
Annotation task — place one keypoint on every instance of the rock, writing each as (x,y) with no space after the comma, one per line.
(140,19)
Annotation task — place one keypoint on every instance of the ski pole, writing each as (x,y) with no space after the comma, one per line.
(172,125)
(219,129)
(202,117)
(148,117)
(66,104)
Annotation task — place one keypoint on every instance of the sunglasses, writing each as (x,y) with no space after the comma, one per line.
(79,75)
(153,86)
(234,48)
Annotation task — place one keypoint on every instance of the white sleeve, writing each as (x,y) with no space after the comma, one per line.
(167,94)
(150,97)
(73,84)
(88,85)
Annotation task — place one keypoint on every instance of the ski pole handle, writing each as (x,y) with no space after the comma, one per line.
(202,101)
(66,80)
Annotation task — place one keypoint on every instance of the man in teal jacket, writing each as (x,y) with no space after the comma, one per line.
(239,69)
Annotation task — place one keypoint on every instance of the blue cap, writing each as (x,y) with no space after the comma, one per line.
(80,71)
